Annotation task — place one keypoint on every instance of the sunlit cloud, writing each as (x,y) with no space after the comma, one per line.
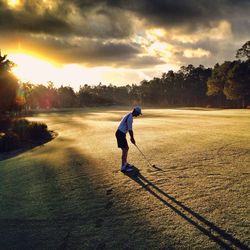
(153,45)
(160,49)
(198,53)
(119,42)
(39,6)
(155,33)
(217,31)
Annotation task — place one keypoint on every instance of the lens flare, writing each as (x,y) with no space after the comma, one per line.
(20,97)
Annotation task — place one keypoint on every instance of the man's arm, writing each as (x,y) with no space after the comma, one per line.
(132,139)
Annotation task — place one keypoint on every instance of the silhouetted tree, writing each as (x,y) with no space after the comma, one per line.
(67,97)
(224,85)
(244,51)
(237,86)
(8,86)
(52,95)
(231,79)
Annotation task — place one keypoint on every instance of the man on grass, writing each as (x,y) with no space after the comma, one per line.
(124,127)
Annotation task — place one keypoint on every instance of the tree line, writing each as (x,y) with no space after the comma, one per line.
(225,85)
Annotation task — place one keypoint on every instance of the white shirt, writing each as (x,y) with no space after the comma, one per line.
(126,123)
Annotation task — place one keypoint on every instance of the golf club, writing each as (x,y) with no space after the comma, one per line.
(149,163)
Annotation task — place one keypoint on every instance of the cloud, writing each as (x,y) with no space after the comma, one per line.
(96,53)
(90,52)
(83,50)
(101,22)
(188,14)
(115,18)
(32,17)
(196,53)
(65,18)
(127,33)
(218,31)
(145,61)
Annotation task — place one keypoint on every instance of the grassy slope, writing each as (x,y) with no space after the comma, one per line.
(69,193)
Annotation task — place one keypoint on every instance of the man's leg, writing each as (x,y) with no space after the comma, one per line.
(124,156)
(125,167)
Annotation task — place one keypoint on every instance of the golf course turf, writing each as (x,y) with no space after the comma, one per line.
(70,194)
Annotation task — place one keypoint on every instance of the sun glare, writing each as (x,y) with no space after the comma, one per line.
(29,68)
(13,3)
(37,71)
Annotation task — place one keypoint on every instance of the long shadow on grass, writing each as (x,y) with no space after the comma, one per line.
(215,233)
(47,206)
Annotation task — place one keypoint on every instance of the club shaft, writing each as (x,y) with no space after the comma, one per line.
(143,155)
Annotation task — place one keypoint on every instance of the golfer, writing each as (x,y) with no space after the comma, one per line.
(124,127)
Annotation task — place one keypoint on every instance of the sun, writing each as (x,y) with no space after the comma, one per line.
(13,3)
(30,68)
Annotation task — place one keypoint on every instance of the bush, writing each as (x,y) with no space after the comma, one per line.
(5,123)
(30,131)
(22,131)
(38,131)
(9,141)
(21,128)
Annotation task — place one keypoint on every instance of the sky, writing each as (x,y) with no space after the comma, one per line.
(77,42)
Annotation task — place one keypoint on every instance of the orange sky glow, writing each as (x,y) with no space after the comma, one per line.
(78,42)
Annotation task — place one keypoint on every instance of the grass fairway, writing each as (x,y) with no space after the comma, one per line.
(70,194)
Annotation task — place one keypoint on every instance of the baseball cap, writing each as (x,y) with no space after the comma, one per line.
(138,110)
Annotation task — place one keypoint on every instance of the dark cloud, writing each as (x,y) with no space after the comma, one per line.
(99,32)
(241,27)
(93,20)
(90,52)
(164,13)
(29,20)
(189,14)
(111,18)
(105,23)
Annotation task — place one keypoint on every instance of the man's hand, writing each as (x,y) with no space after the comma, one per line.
(132,140)
(131,136)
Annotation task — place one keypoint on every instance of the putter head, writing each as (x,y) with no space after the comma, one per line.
(157,168)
